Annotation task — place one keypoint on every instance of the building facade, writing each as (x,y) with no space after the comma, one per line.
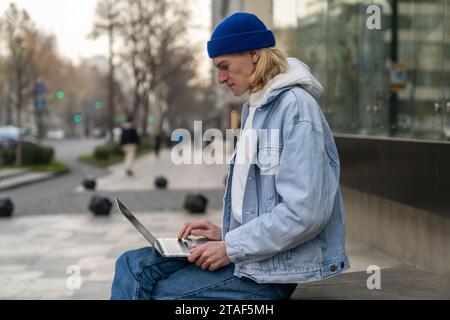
(388,80)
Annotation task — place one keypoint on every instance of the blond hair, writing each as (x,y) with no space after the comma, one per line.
(271,62)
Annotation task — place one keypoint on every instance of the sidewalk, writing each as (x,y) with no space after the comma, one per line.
(148,167)
(38,255)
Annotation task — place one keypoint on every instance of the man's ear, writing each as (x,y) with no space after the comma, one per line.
(254,56)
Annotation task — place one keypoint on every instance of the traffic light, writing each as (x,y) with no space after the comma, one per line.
(77,118)
(98,105)
(60,95)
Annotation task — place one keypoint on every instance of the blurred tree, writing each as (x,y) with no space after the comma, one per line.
(154,50)
(21,71)
(181,92)
(2,76)
(20,35)
(48,65)
(72,89)
(32,56)
(107,14)
(2,85)
(94,96)
(152,32)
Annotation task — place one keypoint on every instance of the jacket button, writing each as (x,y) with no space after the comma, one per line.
(342,265)
(333,268)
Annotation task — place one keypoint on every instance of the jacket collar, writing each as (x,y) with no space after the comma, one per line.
(272,97)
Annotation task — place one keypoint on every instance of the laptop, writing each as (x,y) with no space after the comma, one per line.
(167,247)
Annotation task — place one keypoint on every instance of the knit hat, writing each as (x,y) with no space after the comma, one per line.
(238,33)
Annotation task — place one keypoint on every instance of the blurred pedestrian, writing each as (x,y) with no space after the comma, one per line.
(129,141)
(283,215)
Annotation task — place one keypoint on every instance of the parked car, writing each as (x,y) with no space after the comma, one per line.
(10,135)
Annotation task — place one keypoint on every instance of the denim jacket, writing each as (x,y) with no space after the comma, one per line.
(293,214)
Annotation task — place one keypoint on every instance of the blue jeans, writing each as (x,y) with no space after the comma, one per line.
(145,274)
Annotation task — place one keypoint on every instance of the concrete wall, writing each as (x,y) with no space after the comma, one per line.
(418,237)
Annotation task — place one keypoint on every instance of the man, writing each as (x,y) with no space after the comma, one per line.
(283,219)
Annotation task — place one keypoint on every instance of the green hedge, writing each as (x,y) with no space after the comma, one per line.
(102,152)
(32,154)
(8,156)
(36,154)
(108,150)
(111,153)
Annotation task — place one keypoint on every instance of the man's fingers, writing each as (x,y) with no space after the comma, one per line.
(183,229)
(213,266)
(201,261)
(195,254)
(203,256)
(205,265)
(200,224)
(201,233)
(186,232)
(204,262)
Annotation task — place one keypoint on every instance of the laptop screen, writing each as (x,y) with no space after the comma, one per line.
(135,222)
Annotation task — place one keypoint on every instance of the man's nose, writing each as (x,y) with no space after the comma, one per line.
(222,77)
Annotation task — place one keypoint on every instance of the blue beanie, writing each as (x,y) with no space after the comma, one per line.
(238,33)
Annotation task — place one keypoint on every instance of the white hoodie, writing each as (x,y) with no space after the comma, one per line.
(297,73)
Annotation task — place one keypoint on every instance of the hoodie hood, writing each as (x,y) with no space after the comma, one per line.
(297,73)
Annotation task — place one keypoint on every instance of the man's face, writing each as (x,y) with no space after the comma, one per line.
(235,70)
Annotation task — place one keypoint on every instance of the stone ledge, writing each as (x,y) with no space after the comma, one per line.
(396,283)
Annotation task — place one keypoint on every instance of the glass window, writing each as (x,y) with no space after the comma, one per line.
(387,81)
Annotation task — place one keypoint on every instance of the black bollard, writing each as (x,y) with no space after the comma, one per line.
(89,182)
(100,206)
(195,203)
(6,207)
(160,183)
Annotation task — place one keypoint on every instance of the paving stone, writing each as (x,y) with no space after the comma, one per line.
(93,290)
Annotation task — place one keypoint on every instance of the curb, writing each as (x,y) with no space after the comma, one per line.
(48,176)
(13,173)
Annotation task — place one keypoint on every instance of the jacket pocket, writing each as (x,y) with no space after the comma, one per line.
(268,159)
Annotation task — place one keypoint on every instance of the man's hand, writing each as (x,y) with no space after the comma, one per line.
(201,228)
(211,255)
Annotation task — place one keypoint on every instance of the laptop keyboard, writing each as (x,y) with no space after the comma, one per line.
(173,247)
